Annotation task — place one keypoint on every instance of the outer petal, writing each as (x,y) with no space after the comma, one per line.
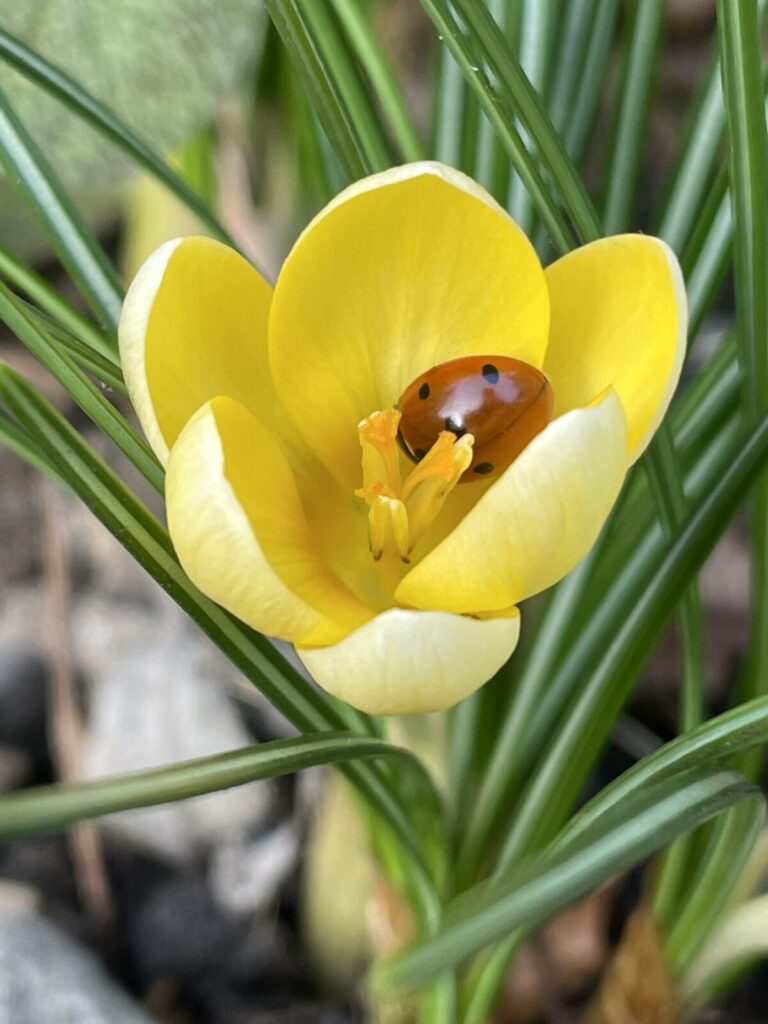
(403,662)
(404,270)
(619,319)
(239,529)
(193,326)
(535,523)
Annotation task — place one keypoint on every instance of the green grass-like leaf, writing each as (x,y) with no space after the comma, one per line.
(53,808)
(77,249)
(536,891)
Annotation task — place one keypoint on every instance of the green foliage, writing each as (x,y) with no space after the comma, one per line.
(515,95)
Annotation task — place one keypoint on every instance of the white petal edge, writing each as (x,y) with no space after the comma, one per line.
(132,334)
(406,662)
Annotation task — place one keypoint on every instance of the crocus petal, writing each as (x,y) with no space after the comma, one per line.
(619,319)
(404,270)
(193,326)
(403,662)
(534,523)
(239,529)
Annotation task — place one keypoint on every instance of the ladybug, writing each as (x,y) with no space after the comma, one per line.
(504,403)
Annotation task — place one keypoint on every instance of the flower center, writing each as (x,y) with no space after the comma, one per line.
(399,511)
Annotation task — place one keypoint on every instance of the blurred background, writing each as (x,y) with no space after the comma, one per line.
(192,913)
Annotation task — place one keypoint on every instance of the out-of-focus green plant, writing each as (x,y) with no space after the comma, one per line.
(502,844)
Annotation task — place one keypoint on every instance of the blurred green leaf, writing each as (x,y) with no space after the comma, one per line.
(385,86)
(745,109)
(550,882)
(643,35)
(87,395)
(340,105)
(53,808)
(472,59)
(76,246)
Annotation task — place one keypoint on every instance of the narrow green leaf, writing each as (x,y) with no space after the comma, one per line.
(720,867)
(491,166)
(48,299)
(637,78)
(471,61)
(681,212)
(570,65)
(494,51)
(660,463)
(64,88)
(77,249)
(709,268)
(584,104)
(291,21)
(53,808)
(449,99)
(704,403)
(17,440)
(713,743)
(363,41)
(709,746)
(354,93)
(103,370)
(91,400)
(539,20)
(492,911)
(552,677)
(644,608)
(740,60)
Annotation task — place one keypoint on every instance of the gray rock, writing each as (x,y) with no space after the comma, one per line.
(154,701)
(22,698)
(15,768)
(246,877)
(19,519)
(47,978)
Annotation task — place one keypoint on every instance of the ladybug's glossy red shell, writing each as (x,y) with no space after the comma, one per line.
(504,403)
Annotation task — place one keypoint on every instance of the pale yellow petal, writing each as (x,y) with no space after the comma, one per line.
(404,270)
(535,523)
(404,662)
(193,326)
(240,531)
(619,319)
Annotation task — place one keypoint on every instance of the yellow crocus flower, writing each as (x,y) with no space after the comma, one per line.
(274,410)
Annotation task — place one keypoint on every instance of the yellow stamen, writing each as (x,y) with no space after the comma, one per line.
(378,439)
(399,514)
(388,523)
(436,464)
(425,493)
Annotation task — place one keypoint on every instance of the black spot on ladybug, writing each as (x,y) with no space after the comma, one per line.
(455,426)
(419,454)
(424,390)
(490,373)
(483,467)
